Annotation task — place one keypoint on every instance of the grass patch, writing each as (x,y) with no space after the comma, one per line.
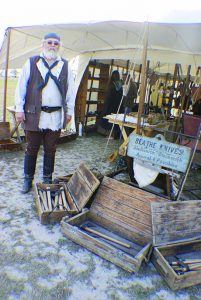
(62,242)
(10,96)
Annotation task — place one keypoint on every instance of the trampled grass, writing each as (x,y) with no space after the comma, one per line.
(10,96)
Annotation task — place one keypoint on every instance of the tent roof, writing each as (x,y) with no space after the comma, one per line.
(168,43)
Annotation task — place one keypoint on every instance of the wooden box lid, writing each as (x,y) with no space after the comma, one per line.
(125,207)
(175,222)
(82,185)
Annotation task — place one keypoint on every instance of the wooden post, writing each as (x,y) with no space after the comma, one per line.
(8,32)
(143,81)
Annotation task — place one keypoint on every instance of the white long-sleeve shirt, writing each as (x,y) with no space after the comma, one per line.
(50,94)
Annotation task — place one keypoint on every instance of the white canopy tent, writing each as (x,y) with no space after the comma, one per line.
(168,43)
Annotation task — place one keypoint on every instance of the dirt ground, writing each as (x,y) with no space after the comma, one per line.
(38,263)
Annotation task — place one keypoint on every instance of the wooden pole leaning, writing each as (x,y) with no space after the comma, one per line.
(143,81)
(8,33)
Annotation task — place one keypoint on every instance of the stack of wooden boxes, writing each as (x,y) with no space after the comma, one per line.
(126,225)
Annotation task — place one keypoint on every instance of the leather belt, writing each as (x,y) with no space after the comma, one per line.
(50,109)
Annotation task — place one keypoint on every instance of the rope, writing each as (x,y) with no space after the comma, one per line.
(131,68)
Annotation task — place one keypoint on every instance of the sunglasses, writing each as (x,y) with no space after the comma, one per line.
(53,43)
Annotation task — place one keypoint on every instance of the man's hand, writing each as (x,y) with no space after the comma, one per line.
(68,118)
(20,117)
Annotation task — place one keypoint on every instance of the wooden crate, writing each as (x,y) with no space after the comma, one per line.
(6,142)
(176,234)
(117,226)
(65,199)
(10,145)
(49,214)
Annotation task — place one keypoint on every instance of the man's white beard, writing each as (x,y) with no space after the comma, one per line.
(50,54)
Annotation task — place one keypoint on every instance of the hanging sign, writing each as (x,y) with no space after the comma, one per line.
(159,152)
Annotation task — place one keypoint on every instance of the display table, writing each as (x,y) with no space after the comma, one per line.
(131,122)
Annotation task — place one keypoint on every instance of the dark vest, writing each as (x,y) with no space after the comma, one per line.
(33,98)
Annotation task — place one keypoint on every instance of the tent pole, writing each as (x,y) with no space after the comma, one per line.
(143,81)
(8,32)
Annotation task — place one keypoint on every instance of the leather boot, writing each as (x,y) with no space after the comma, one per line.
(29,171)
(27,185)
(48,168)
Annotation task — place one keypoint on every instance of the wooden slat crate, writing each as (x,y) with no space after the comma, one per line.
(54,201)
(117,226)
(177,245)
(51,193)
(6,142)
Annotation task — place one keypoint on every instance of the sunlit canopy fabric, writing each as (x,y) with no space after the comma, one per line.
(167,43)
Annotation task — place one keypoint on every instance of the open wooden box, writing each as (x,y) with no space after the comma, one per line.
(54,201)
(177,245)
(117,226)
(6,142)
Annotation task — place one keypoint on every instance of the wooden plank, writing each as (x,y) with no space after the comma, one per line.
(78,189)
(131,201)
(79,218)
(121,203)
(159,152)
(82,185)
(123,210)
(117,218)
(130,232)
(177,206)
(88,177)
(181,218)
(176,221)
(127,190)
(105,193)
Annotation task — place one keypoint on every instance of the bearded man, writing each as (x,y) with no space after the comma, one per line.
(44,100)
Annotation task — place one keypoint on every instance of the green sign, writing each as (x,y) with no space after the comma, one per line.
(159,152)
